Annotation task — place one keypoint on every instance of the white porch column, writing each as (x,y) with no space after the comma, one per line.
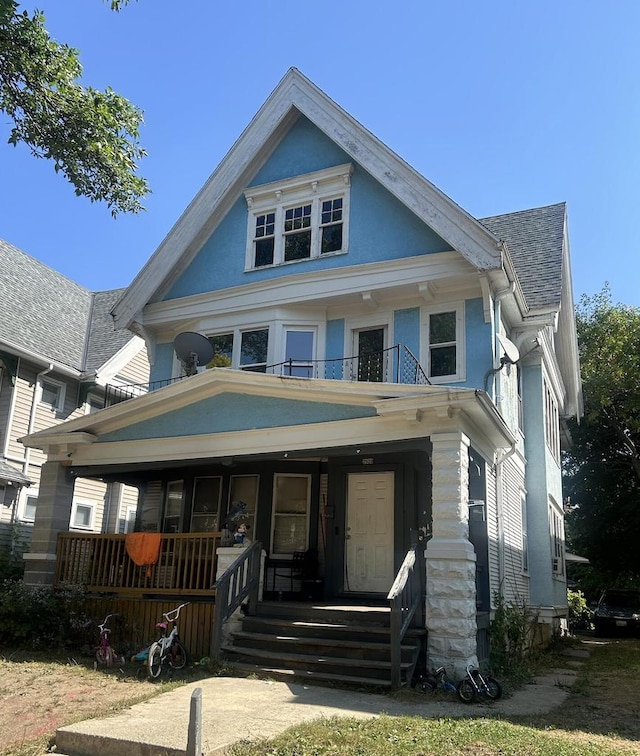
(451,559)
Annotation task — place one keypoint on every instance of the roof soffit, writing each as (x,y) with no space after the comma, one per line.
(295,95)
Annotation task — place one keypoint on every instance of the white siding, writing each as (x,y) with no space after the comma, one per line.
(137,370)
(516,585)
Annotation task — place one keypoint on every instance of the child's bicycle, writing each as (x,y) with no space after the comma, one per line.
(435,680)
(105,653)
(474,685)
(168,649)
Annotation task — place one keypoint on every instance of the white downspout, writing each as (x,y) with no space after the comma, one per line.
(32,414)
(497,321)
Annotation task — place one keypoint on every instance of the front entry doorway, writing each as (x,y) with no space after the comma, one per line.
(369,543)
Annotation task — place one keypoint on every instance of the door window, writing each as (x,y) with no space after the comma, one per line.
(371,354)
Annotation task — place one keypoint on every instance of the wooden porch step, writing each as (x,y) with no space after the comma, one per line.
(320,646)
(346,630)
(281,673)
(333,665)
(334,643)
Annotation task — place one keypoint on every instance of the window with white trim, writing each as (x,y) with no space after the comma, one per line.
(444,339)
(551,423)
(222,344)
(52,393)
(556,526)
(301,218)
(82,515)
(205,512)
(253,350)
(245,488)
(290,516)
(29,506)
(94,403)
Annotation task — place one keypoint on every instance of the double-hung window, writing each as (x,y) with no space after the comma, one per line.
(301,218)
(444,333)
(29,507)
(52,394)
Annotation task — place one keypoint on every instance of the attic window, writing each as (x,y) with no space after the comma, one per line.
(302,218)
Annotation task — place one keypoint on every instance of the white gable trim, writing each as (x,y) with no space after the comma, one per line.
(122,357)
(295,94)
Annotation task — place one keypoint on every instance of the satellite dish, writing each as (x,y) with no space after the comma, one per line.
(511,351)
(193,349)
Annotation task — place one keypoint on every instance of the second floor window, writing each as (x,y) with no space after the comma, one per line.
(444,339)
(301,218)
(52,394)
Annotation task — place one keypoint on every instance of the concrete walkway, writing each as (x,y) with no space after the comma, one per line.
(238,708)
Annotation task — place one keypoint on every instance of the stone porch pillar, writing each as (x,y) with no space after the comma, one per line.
(53,513)
(451,559)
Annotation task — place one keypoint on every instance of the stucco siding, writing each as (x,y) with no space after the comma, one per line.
(233,412)
(380,226)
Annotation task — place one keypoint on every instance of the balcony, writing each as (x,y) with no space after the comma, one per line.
(396,364)
(100,563)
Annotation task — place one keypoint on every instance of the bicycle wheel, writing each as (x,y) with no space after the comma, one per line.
(104,656)
(466,691)
(494,689)
(425,685)
(178,656)
(154,662)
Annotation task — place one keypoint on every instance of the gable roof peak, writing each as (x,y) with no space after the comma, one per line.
(296,95)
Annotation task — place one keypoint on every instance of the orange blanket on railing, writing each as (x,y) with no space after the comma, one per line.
(143,548)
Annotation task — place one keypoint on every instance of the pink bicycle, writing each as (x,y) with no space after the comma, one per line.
(105,653)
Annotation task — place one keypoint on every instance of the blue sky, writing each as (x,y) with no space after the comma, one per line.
(502,104)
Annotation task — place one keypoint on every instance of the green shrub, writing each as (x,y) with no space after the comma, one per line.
(580,616)
(510,634)
(37,616)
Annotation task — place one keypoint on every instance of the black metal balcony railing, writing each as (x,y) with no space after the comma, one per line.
(397,364)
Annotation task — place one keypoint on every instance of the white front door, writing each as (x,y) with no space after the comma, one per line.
(369,545)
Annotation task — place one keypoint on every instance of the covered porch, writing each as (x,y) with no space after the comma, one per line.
(320,465)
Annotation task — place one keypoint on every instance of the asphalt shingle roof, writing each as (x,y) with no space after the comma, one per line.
(535,241)
(44,312)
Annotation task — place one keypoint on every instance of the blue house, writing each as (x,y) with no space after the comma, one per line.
(365,366)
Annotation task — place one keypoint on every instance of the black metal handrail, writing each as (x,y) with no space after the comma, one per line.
(397,364)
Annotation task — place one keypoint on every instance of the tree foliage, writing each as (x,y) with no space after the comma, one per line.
(90,135)
(602,469)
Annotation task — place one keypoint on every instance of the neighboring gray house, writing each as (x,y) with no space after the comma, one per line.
(58,349)
(396,370)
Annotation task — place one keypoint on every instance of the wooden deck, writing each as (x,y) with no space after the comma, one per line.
(186,565)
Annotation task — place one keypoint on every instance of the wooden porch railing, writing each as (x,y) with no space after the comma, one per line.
(99,562)
(239,581)
(405,599)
